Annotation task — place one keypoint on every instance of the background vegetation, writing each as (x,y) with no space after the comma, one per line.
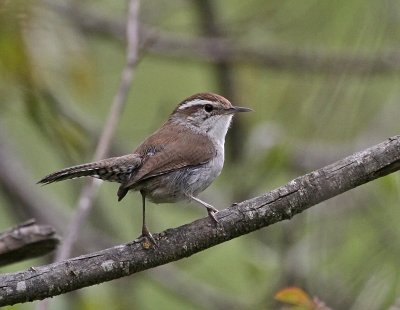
(322,77)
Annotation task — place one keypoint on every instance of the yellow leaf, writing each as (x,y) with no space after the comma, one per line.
(295,296)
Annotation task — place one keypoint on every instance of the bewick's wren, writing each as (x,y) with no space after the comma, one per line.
(175,163)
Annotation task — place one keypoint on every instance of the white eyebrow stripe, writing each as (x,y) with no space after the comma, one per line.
(192,103)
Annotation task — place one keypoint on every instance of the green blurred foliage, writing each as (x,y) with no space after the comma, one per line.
(57,83)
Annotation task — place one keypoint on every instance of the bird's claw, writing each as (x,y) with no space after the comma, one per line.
(211,214)
(147,238)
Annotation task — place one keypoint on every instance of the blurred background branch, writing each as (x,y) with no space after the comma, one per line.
(219,48)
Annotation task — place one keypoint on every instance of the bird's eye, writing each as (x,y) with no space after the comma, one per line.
(208,108)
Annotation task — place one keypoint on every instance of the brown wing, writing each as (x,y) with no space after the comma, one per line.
(170,148)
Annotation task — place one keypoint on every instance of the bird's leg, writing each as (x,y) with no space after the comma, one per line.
(210,209)
(145,232)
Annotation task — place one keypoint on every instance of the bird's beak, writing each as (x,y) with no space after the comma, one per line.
(241,109)
(233,110)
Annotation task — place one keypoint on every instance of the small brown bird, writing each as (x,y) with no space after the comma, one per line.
(177,162)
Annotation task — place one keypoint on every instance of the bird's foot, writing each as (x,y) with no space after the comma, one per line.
(147,238)
(211,213)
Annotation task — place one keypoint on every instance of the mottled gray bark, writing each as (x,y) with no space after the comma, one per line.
(27,240)
(174,244)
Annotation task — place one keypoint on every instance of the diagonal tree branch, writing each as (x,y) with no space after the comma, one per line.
(173,244)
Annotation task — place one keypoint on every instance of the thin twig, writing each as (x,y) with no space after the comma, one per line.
(85,202)
(173,244)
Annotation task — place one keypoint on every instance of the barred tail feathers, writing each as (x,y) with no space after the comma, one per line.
(71,173)
(116,169)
